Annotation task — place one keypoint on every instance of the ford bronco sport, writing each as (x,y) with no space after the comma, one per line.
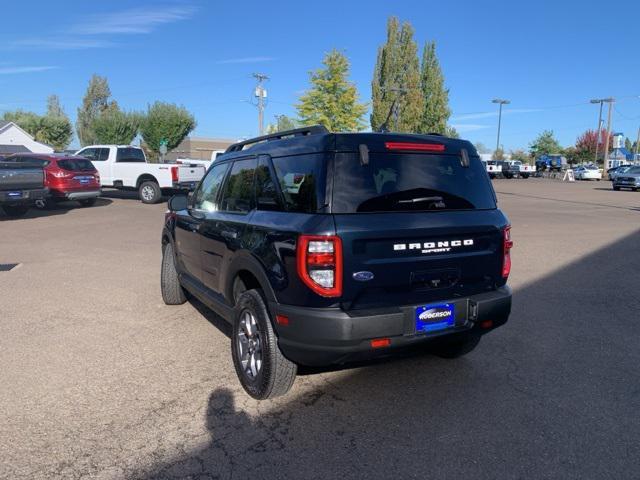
(326,248)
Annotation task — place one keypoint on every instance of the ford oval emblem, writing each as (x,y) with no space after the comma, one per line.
(363,276)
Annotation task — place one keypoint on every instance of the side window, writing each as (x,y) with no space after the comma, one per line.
(267,196)
(89,153)
(237,195)
(130,155)
(102,154)
(207,193)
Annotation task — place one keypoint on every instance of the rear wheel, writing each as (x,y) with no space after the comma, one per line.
(617,189)
(15,210)
(261,368)
(172,291)
(457,348)
(149,192)
(87,202)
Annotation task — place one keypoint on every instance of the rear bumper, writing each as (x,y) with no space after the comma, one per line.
(185,185)
(76,194)
(321,336)
(26,197)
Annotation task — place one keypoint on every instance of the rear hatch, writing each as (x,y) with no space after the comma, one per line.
(416,226)
(20,176)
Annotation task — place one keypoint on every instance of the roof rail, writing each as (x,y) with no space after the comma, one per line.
(297,132)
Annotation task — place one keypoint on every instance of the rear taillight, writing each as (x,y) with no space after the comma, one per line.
(507,246)
(319,260)
(174,174)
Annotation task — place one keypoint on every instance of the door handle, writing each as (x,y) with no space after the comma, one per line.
(230,234)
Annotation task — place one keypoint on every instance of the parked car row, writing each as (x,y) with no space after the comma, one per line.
(628,179)
(43,180)
(508,169)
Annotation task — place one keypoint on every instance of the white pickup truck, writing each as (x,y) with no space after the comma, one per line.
(492,167)
(125,167)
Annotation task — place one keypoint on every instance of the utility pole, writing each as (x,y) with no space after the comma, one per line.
(635,153)
(501,102)
(606,141)
(599,128)
(261,94)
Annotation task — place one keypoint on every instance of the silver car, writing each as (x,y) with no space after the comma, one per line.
(629,179)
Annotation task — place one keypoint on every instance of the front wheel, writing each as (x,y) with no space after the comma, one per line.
(261,368)
(149,192)
(15,210)
(457,348)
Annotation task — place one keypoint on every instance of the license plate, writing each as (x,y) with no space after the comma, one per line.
(431,318)
(14,194)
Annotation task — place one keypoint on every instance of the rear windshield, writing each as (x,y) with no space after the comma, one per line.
(130,155)
(76,165)
(409,182)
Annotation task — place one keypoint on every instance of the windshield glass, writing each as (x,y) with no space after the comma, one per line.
(409,182)
(633,170)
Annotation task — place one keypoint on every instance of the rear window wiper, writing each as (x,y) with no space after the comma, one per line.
(436,200)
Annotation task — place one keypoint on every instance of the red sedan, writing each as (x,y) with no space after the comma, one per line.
(66,176)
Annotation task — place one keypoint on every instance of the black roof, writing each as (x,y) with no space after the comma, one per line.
(317,139)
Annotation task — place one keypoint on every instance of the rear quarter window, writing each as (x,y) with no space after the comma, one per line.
(302,181)
(409,182)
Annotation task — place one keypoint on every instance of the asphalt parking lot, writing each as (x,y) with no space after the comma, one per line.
(100,379)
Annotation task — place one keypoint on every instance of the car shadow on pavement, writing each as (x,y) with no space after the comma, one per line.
(552,394)
(58,209)
(127,195)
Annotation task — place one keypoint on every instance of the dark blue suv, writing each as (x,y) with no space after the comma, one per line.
(326,248)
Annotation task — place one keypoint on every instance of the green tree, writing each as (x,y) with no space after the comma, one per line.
(436,97)
(498,154)
(332,100)
(114,127)
(520,154)
(628,144)
(28,121)
(96,100)
(54,109)
(166,121)
(545,144)
(482,148)
(397,100)
(283,123)
(450,131)
(55,131)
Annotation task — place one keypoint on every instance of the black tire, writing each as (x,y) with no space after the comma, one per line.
(525,175)
(15,211)
(457,348)
(617,189)
(149,192)
(273,374)
(87,202)
(172,291)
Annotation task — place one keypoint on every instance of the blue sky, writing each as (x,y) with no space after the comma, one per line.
(548,58)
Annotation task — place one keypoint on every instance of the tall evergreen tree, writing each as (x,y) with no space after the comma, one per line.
(54,109)
(95,101)
(436,111)
(332,100)
(395,89)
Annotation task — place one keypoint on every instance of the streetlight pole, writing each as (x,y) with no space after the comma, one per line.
(501,102)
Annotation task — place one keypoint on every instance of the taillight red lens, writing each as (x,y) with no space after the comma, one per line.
(174,174)
(508,245)
(424,147)
(319,262)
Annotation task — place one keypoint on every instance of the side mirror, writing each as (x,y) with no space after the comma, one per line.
(178,202)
